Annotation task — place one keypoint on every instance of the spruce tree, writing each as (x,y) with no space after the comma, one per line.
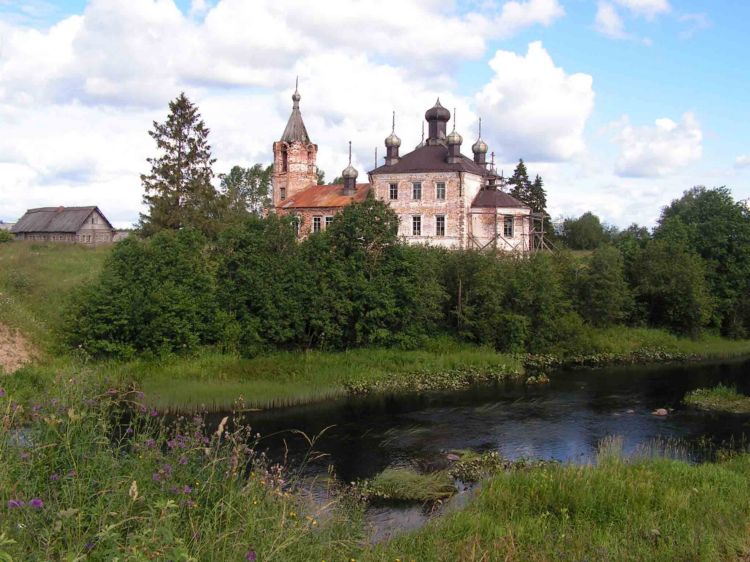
(537,196)
(520,184)
(178,191)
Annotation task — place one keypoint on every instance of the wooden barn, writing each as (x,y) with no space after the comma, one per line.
(74,225)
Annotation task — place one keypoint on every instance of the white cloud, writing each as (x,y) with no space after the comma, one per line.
(646,8)
(533,109)
(742,161)
(658,150)
(608,22)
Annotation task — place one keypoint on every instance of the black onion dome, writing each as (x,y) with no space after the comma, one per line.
(437,113)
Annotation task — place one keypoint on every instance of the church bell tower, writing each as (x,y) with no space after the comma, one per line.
(294,157)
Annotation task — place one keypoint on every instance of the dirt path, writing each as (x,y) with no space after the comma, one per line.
(15,350)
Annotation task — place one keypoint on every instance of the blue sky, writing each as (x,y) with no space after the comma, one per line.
(638,99)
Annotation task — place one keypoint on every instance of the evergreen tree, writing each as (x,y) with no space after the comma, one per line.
(246,190)
(537,196)
(520,184)
(178,191)
(321,177)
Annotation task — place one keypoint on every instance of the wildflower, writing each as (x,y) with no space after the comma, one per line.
(183,461)
(186,490)
(128,431)
(150,443)
(2,392)
(154,413)
(89,546)
(15,504)
(36,503)
(171,443)
(250,556)
(133,492)
(221,426)
(72,474)
(156,477)
(54,477)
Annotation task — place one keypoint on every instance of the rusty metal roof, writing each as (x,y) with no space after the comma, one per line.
(55,219)
(493,198)
(430,158)
(320,196)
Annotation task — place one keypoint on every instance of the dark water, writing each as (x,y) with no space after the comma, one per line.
(564,420)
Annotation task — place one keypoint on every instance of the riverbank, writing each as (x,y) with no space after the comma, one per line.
(719,399)
(82,485)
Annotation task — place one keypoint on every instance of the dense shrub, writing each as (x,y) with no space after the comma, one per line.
(6,236)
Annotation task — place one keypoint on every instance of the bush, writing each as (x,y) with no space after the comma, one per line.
(6,236)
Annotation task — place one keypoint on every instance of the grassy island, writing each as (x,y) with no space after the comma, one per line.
(719,399)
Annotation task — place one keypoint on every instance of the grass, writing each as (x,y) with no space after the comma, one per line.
(719,399)
(35,282)
(616,511)
(397,485)
(215,381)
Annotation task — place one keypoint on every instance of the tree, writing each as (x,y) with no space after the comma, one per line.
(247,190)
(584,233)
(337,180)
(671,288)
(604,297)
(710,223)
(321,177)
(178,191)
(520,184)
(537,196)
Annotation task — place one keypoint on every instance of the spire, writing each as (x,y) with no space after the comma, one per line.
(479,148)
(376,157)
(295,130)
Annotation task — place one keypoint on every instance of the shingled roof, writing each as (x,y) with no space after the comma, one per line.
(430,158)
(323,196)
(55,219)
(493,198)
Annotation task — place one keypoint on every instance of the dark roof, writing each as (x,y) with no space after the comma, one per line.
(320,196)
(430,158)
(55,219)
(493,198)
(295,128)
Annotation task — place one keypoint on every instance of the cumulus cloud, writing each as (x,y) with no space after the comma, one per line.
(534,109)
(658,150)
(742,161)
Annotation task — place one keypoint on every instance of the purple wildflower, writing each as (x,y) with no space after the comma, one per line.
(186,490)
(250,556)
(154,413)
(150,443)
(183,460)
(89,546)
(72,474)
(15,504)
(156,477)
(171,443)
(128,431)
(36,503)
(54,477)
(167,468)
(2,392)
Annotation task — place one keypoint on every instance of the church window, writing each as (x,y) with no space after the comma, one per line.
(416,225)
(440,190)
(284,160)
(282,193)
(440,225)
(508,227)
(393,191)
(329,220)
(316,223)
(416,190)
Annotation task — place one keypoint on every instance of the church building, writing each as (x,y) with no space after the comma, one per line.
(442,197)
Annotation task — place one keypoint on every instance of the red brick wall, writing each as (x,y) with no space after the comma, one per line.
(301,170)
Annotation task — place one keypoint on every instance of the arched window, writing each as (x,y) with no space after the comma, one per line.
(284,160)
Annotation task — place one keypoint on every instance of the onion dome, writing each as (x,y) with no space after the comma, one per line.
(454,138)
(479,147)
(437,113)
(392,140)
(350,172)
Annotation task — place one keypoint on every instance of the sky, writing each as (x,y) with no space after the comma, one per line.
(620,105)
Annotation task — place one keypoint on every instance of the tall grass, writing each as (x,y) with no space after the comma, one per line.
(617,510)
(94,476)
(36,281)
(720,399)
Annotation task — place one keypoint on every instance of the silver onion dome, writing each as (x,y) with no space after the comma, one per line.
(479,147)
(392,141)
(454,138)
(349,172)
